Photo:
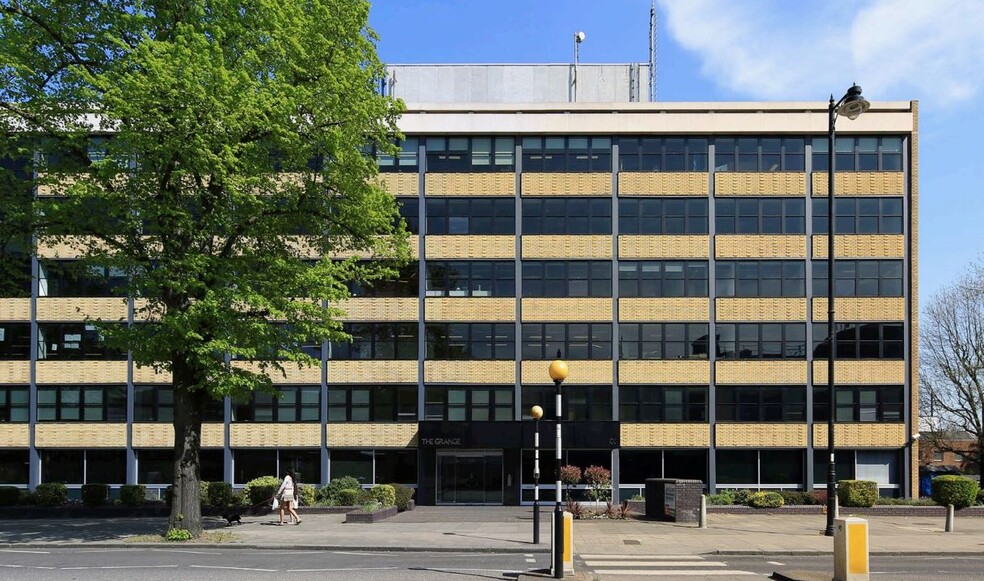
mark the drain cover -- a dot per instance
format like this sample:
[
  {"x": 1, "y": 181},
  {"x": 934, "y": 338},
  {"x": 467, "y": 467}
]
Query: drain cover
[{"x": 631, "y": 542}]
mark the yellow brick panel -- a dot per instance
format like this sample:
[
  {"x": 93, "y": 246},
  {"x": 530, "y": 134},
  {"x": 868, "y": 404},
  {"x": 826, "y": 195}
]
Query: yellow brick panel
[
  {"x": 564, "y": 310},
  {"x": 862, "y": 309},
  {"x": 474, "y": 309},
  {"x": 15, "y": 372},
  {"x": 308, "y": 251},
  {"x": 759, "y": 184},
  {"x": 567, "y": 184},
  {"x": 364, "y": 371},
  {"x": 662, "y": 246},
  {"x": 470, "y": 247},
  {"x": 81, "y": 371},
  {"x": 358, "y": 435},
  {"x": 161, "y": 435},
  {"x": 581, "y": 372},
  {"x": 761, "y": 309},
  {"x": 760, "y": 435},
  {"x": 470, "y": 184},
  {"x": 681, "y": 371},
  {"x": 65, "y": 246},
  {"x": 860, "y": 183},
  {"x": 15, "y": 310},
  {"x": 861, "y": 435},
  {"x": 475, "y": 372},
  {"x": 399, "y": 183},
  {"x": 148, "y": 375},
  {"x": 761, "y": 372},
  {"x": 213, "y": 435},
  {"x": 562, "y": 246},
  {"x": 670, "y": 309},
  {"x": 380, "y": 309},
  {"x": 665, "y": 435},
  {"x": 281, "y": 435},
  {"x": 292, "y": 373},
  {"x": 14, "y": 435},
  {"x": 662, "y": 184},
  {"x": 861, "y": 371},
  {"x": 862, "y": 246},
  {"x": 79, "y": 435},
  {"x": 77, "y": 309},
  {"x": 747, "y": 246}
]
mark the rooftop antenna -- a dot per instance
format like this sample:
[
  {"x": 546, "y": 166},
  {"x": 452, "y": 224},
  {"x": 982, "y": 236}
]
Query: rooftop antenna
[
  {"x": 578, "y": 39},
  {"x": 652, "y": 51}
]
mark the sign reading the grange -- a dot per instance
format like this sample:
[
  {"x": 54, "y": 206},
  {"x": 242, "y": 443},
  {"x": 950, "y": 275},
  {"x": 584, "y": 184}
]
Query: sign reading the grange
[{"x": 446, "y": 442}]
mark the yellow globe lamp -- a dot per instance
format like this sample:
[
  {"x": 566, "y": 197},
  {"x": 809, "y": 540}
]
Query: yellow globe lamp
[
  {"x": 558, "y": 370},
  {"x": 536, "y": 412}
]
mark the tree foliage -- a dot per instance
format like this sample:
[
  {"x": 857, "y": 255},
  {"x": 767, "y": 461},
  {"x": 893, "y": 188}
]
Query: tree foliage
[
  {"x": 952, "y": 365},
  {"x": 231, "y": 171}
]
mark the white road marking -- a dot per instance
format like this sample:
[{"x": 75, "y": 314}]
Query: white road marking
[
  {"x": 531, "y": 560},
  {"x": 12, "y": 566},
  {"x": 593, "y": 564},
  {"x": 776, "y": 563},
  {"x": 119, "y": 567},
  {"x": 232, "y": 568},
  {"x": 667, "y": 572},
  {"x": 343, "y": 569},
  {"x": 187, "y": 551},
  {"x": 653, "y": 557},
  {"x": 25, "y": 551}
]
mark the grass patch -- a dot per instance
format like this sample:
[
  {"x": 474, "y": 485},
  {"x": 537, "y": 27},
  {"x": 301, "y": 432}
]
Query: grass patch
[{"x": 208, "y": 537}]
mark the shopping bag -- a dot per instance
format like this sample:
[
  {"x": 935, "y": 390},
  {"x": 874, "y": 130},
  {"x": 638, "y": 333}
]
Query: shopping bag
[{"x": 276, "y": 503}]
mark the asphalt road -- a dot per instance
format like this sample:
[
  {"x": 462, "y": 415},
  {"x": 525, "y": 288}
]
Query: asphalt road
[{"x": 168, "y": 564}]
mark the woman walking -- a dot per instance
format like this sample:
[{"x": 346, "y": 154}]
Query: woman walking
[{"x": 286, "y": 496}]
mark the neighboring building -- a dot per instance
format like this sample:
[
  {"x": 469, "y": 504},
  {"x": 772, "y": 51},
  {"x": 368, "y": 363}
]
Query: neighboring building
[
  {"x": 673, "y": 253},
  {"x": 940, "y": 452}
]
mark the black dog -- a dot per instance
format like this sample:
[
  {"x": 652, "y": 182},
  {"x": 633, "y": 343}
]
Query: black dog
[{"x": 232, "y": 518}]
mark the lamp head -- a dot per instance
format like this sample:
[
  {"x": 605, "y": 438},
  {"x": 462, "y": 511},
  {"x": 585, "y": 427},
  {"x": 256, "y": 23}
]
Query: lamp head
[
  {"x": 579, "y": 37},
  {"x": 853, "y": 104},
  {"x": 558, "y": 370},
  {"x": 536, "y": 412}
]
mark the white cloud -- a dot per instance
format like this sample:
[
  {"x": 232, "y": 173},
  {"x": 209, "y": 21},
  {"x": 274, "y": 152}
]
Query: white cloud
[{"x": 896, "y": 49}]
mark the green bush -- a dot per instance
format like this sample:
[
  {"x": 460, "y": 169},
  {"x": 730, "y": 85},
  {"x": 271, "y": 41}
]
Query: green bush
[
  {"x": 9, "y": 495},
  {"x": 50, "y": 494},
  {"x": 95, "y": 494},
  {"x": 133, "y": 494},
  {"x": 218, "y": 494},
  {"x": 797, "y": 498},
  {"x": 306, "y": 494},
  {"x": 348, "y": 497},
  {"x": 177, "y": 535},
  {"x": 959, "y": 491},
  {"x": 857, "y": 493},
  {"x": 741, "y": 496},
  {"x": 980, "y": 496},
  {"x": 723, "y": 498},
  {"x": 328, "y": 494},
  {"x": 384, "y": 494},
  {"x": 403, "y": 496},
  {"x": 765, "y": 499},
  {"x": 260, "y": 490}
]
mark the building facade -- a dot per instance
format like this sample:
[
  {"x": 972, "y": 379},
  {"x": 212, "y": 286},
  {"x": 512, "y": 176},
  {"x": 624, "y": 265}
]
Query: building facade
[{"x": 673, "y": 253}]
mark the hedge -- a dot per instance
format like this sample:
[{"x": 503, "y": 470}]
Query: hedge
[
  {"x": 95, "y": 494},
  {"x": 306, "y": 494},
  {"x": 403, "y": 496},
  {"x": 328, "y": 494},
  {"x": 857, "y": 493},
  {"x": 959, "y": 491},
  {"x": 260, "y": 490},
  {"x": 217, "y": 494},
  {"x": 384, "y": 494},
  {"x": 9, "y": 495},
  {"x": 765, "y": 499},
  {"x": 133, "y": 494},
  {"x": 349, "y": 497},
  {"x": 50, "y": 494}
]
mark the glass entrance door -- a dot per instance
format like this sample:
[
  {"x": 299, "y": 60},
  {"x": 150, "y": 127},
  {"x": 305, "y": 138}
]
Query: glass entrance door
[{"x": 469, "y": 478}]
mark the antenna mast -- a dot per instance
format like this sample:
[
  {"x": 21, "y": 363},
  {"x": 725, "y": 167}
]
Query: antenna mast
[{"x": 652, "y": 51}]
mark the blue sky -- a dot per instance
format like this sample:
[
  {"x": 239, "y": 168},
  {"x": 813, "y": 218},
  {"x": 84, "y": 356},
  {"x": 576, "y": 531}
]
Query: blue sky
[{"x": 734, "y": 50}]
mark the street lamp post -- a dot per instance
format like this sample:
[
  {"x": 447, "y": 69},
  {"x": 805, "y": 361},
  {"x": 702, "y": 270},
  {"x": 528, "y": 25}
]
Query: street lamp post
[
  {"x": 536, "y": 412},
  {"x": 558, "y": 373},
  {"x": 851, "y": 105}
]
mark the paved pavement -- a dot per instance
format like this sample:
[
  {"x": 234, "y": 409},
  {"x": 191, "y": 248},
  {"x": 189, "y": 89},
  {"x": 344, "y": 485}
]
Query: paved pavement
[{"x": 509, "y": 529}]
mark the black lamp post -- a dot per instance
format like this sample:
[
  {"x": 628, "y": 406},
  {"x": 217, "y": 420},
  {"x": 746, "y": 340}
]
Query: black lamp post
[
  {"x": 536, "y": 412},
  {"x": 558, "y": 373},
  {"x": 851, "y": 105}
]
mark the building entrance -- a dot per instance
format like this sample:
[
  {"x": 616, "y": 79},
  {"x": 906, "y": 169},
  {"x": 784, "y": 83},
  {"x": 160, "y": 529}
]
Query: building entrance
[{"x": 473, "y": 477}]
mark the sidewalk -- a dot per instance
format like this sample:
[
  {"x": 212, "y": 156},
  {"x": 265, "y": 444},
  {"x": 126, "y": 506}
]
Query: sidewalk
[{"x": 509, "y": 529}]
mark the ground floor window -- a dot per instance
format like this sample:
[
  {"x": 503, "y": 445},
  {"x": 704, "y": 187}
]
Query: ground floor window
[
  {"x": 83, "y": 466},
  {"x": 580, "y": 458},
  {"x": 881, "y": 466},
  {"x": 375, "y": 466},
  {"x": 14, "y": 466},
  {"x": 635, "y": 466},
  {"x": 757, "y": 468},
  {"x": 157, "y": 466}
]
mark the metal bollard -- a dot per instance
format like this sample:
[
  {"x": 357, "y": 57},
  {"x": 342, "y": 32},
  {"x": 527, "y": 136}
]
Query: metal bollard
[
  {"x": 948, "y": 528},
  {"x": 851, "y": 562},
  {"x": 702, "y": 522}
]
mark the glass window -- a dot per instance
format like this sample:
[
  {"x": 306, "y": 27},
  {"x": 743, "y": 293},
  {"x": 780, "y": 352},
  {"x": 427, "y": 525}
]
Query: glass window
[
  {"x": 567, "y": 216},
  {"x": 567, "y": 154},
  {"x": 663, "y": 340},
  {"x": 378, "y": 341},
  {"x": 380, "y": 403},
  {"x": 293, "y": 404},
  {"x": 74, "y": 341},
  {"x": 580, "y": 403},
  {"x": 662, "y": 154},
  {"x": 250, "y": 464},
  {"x": 464, "y": 154},
  {"x": 14, "y": 404},
  {"x": 570, "y": 278},
  {"x": 471, "y": 216},
  {"x": 355, "y": 463},
  {"x": 482, "y": 341},
  {"x": 14, "y": 467},
  {"x": 861, "y": 340},
  {"x": 755, "y": 154},
  {"x": 869, "y": 403},
  {"x": 405, "y": 159},
  {"x": 66, "y": 466},
  {"x": 91, "y": 403},
  {"x": 405, "y": 284},
  {"x": 772, "y": 403},
  {"x": 761, "y": 278},
  {"x": 862, "y": 153},
  {"x": 476, "y": 278},
  {"x": 396, "y": 466},
  {"x": 573, "y": 340},
  {"x": 860, "y": 278},
  {"x": 760, "y": 215},
  {"x": 670, "y": 404},
  {"x": 73, "y": 278},
  {"x": 662, "y": 278},
  {"x": 761, "y": 340},
  {"x": 662, "y": 216}
]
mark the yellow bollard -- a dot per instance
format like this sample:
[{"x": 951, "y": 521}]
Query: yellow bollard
[
  {"x": 851, "y": 549},
  {"x": 568, "y": 548}
]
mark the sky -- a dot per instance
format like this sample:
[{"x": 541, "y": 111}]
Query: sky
[{"x": 775, "y": 50}]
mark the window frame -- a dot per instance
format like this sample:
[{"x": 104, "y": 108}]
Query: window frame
[
  {"x": 693, "y": 404},
  {"x": 659, "y": 286},
  {"x": 789, "y": 286},
  {"x": 8, "y": 407},
  {"x": 789, "y": 157},
  {"x": 402, "y": 350},
  {"x": 108, "y": 412},
  {"x": 539, "y": 151},
  {"x": 649, "y": 216},
  {"x": 889, "y": 403},
  {"x": 843, "y": 277},
  {"x": 279, "y": 410},
  {"x": 658, "y": 154},
  {"x": 439, "y": 217},
  {"x": 504, "y": 351},
  {"x": 501, "y": 156},
  {"x": 595, "y": 347},
  {"x": 572, "y": 222},
  {"x": 859, "y": 344},
  {"x": 596, "y": 284},
  {"x": 502, "y": 272},
  {"x": 372, "y": 405},
  {"x": 850, "y": 214},
  {"x": 645, "y": 329},
  {"x": 439, "y": 407},
  {"x": 728, "y": 216},
  {"x": 751, "y": 404},
  {"x": 740, "y": 330}
]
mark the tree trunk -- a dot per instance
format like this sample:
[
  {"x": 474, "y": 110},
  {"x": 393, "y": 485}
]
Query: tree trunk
[{"x": 186, "y": 508}]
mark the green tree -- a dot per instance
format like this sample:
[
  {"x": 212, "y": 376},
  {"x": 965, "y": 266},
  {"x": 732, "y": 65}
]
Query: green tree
[{"x": 231, "y": 173}]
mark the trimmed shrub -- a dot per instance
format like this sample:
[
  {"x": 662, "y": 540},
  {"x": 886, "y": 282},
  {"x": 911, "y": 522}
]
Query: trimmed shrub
[
  {"x": 328, "y": 494},
  {"x": 384, "y": 494},
  {"x": 857, "y": 493},
  {"x": 599, "y": 479},
  {"x": 306, "y": 494},
  {"x": 741, "y": 496},
  {"x": 95, "y": 494},
  {"x": 723, "y": 498},
  {"x": 218, "y": 494},
  {"x": 959, "y": 491},
  {"x": 980, "y": 496},
  {"x": 260, "y": 490},
  {"x": 50, "y": 494},
  {"x": 403, "y": 496},
  {"x": 133, "y": 494},
  {"x": 177, "y": 535},
  {"x": 819, "y": 497},
  {"x": 348, "y": 497},
  {"x": 796, "y": 498},
  {"x": 765, "y": 499},
  {"x": 9, "y": 495}
]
